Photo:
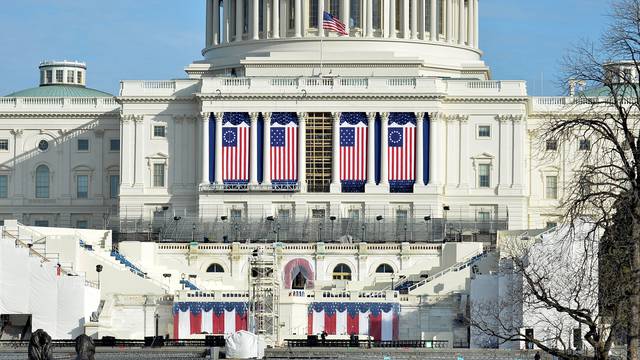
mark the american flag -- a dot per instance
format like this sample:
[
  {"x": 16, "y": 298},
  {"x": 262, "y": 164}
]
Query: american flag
[
  {"x": 284, "y": 153},
  {"x": 353, "y": 153},
  {"x": 235, "y": 153},
  {"x": 331, "y": 23},
  {"x": 401, "y": 152}
]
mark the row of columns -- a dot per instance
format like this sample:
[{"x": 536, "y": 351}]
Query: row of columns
[
  {"x": 412, "y": 23},
  {"x": 335, "y": 174}
]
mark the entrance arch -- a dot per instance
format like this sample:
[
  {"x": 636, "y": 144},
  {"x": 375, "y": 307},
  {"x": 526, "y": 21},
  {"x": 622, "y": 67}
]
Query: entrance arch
[{"x": 298, "y": 274}]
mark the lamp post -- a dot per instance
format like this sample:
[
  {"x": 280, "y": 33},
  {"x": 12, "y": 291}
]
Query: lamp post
[
  {"x": 271, "y": 220},
  {"x": 225, "y": 237},
  {"x": 427, "y": 221},
  {"x": 98, "y": 270},
  {"x": 156, "y": 316},
  {"x": 379, "y": 218},
  {"x": 333, "y": 220},
  {"x": 445, "y": 209},
  {"x": 193, "y": 232},
  {"x": 364, "y": 228},
  {"x": 182, "y": 277}
]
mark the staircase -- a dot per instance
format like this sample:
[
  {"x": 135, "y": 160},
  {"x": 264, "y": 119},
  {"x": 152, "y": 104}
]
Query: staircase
[
  {"x": 38, "y": 248},
  {"x": 464, "y": 263}
]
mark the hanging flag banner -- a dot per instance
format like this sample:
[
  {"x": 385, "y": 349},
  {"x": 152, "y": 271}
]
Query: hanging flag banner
[
  {"x": 284, "y": 148},
  {"x": 378, "y": 320},
  {"x": 190, "y": 318},
  {"x": 235, "y": 148},
  {"x": 353, "y": 148},
  {"x": 401, "y": 152}
]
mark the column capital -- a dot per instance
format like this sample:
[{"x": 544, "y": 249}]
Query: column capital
[
  {"x": 302, "y": 117},
  {"x": 385, "y": 116},
  {"x": 253, "y": 116},
  {"x": 372, "y": 116},
  {"x": 99, "y": 133},
  {"x": 509, "y": 118},
  {"x": 16, "y": 132},
  {"x": 267, "y": 117},
  {"x": 420, "y": 116},
  {"x": 219, "y": 116},
  {"x": 336, "y": 116},
  {"x": 205, "y": 116}
]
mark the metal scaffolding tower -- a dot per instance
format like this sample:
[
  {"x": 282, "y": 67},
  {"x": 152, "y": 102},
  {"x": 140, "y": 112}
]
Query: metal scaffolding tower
[{"x": 263, "y": 294}]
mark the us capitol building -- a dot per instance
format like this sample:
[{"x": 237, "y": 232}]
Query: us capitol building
[{"x": 364, "y": 163}]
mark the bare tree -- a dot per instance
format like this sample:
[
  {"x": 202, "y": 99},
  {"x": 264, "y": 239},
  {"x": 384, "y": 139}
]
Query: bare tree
[{"x": 599, "y": 129}]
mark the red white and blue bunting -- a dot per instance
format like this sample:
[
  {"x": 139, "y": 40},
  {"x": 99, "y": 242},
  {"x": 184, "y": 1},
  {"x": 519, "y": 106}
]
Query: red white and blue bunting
[
  {"x": 218, "y": 318},
  {"x": 378, "y": 320}
]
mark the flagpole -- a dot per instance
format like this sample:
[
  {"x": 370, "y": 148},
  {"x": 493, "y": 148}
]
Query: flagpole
[{"x": 321, "y": 53}]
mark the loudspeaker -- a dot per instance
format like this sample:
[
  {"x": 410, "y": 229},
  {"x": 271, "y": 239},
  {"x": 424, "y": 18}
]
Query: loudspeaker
[
  {"x": 108, "y": 341},
  {"x": 354, "y": 341},
  {"x": 148, "y": 340},
  {"x": 312, "y": 340},
  {"x": 209, "y": 341}
]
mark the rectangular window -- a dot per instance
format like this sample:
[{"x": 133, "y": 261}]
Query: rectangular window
[
  {"x": 356, "y": 13},
  {"x": 4, "y": 186},
  {"x": 158, "y": 175},
  {"x": 42, "y": 77},
  {"x": 313, "y": 14},
  {"x": 82, "y": 224},
  {"x": 551, "y": 224},
  {"x": 79, "y": 73},
  {"x": 41, "y": 223},
  {"x": 551, "y": 187},
  {"x": 292, "y": 14},
  {"x": 83, "y": 144},
  {"x": 114, "y": 145},
  {"x": 82, "y": 186},
  {"x": 354, "y": 214},
  {"x": 49, "y": 76},
  {"x": 59, "y": 76},
  {"x": 71, "y": 76},
  {"x": 484, "y": 216},
  {"x": 318, "y": 214},
  {"x": 284, "y": 215},
  {"x": 552, "y": 145},
  {"x": 585, "y": 145},
  {"x": 4, "y": 145},
  {"x": 484, "y": 131},
  {"x": 114, "y": 186},
  {"x": 484, "y": 175},
  {"x": 235, "y": 215},
  {"x": 159, "y": 131},
  {"x": 402, "y": 216}
]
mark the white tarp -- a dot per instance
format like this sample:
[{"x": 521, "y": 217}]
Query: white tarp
[
  {"x": 14, "y": 280},
  {"x": 70, "y": 307},
  {"x": 244, "y": 345},
  {"x": 43, "y": 298}
]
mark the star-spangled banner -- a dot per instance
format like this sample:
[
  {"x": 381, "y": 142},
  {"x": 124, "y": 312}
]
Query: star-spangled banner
[
  {"x": 235, "y": 147},
  {"x": 402, "y": 147},
  {"x": 284, "y": 147},
  {"x": 353, "y": 148}
]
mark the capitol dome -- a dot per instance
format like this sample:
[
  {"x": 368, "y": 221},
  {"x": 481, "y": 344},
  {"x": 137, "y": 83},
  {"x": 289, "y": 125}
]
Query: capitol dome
[
  {"x": 61, "y": 79},
  {"x": 384, "y": 38}
]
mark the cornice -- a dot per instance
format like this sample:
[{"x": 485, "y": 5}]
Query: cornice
[
  {"x": 55, "y": 115},
  {"x": 318, "y": 97},
  {"x": 156, "y": 99},
  {"x": 487, "y": 99}
]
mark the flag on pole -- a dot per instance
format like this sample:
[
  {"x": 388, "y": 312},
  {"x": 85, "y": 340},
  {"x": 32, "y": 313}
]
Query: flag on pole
[{"x": 331, "y": 23}]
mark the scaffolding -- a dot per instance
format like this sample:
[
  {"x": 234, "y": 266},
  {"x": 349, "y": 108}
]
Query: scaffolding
[{"x": 264, "y": 297}]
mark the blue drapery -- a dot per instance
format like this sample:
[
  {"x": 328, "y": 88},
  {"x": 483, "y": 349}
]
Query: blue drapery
[
  {"x": 217, "y": 307},
  {"x": 354, "y": 308}
]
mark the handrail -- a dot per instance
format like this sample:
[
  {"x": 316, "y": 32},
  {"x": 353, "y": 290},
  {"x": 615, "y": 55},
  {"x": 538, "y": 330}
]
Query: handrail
[
  {"x": 31, "y": 251},
  {"x": 457, "y": 266}
]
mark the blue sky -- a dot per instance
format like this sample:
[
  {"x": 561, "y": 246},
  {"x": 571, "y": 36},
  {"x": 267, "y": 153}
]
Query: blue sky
[{"x": 156, "y": 39}]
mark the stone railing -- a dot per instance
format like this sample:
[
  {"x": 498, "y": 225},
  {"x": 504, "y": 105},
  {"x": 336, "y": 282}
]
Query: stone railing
[
  {"x": 336, "y": 295},
  {"x": 157, "y": 87},
  {"x": 70, "y": 104},
  {"x": 211, "y": 296}
]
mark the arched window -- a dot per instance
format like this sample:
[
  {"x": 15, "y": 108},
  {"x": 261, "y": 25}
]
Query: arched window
[
  {"x": 342, "y": 272},
  {"x": 384, "y": 269},
  {"x": 215, "y": 268},
  {"x": 42, "y": 182},
  {"x": 299, "y": 282}
]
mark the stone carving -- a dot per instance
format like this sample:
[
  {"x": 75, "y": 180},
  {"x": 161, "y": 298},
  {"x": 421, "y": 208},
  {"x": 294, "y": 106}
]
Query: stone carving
[
  {"x": 85, "y": 349},
  {"x": 40, "y": 346}
]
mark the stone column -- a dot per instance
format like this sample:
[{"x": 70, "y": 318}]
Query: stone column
[
  {"x": 209, "y": 24},
  {"x": 369, "y": 20},
  {"x": 392, "y": 18},
  {"x": 436, "y": 152},
  {"x": 266, "y": 19},
  {"x": 405, "y": 19},
  {"x": 449, "y": 21},
  {"x": 461, "y": 22},
  {"x": 519, "y": 132},
  {"x": 472, "y": 23},
  {"x": 302, "y": 151},
  {"x": 139, "y": 142},
  {"x": 345, "y": 14},
  {"x": 219, "y": 117},
  {"x": 464, "y": 161},
  {"x": 434, "y": 20},
  {"x": 476, "y": 27},
  {"x": 255, "y": 19},
  {"x": 414, "y": 19},
  {"x": 204, "y": 150},
  {"x": 422, "y": 21},
  {"x": 18, "y": 172},
  {"x": 384, "y": 152},
  {"x": 266, "y": 149},
  {"x": 371, "y": 153},
  {"x": 335, "y": 159},
  {"x": 305, "y": 17},
  {"x": 298, "y": 19},
  {"x": 275, "y": 26},
  {"x": 239, "y": 20},
  {"x": 386, "y": 26},
  {"x": 99, "y": 179},
  {"x": 226, "y": 22},
  {"x": 320, "y": 17},
  {"x": 419, "y": 150},
  {"x": 253, "y": 172},
  {"x": 215, "y": 23}
]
